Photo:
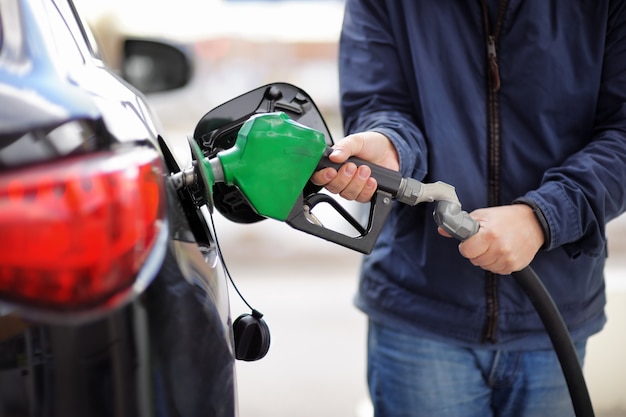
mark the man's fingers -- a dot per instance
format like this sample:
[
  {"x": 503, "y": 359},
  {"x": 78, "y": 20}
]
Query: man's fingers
[
  {"x": 324, "y": 176},
  {"x": 356, "y": 187}
]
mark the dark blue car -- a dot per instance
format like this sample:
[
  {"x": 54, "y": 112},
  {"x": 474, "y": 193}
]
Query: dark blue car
[{"x": 112, "y": 297}]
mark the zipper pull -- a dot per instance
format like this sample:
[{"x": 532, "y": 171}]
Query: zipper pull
[{"x": 493, "y": 63}]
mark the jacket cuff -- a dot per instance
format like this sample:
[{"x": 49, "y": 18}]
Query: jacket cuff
[{"x": 541, "y": 218}]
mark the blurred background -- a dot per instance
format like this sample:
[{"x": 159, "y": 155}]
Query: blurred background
[
  {"x": 236, "y": 46},
  {"x": 303, "y": 285}
]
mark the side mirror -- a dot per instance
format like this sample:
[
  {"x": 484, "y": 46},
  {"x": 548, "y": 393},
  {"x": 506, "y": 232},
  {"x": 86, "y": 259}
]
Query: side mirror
[
  {"x": 154, "y": 66},
  {"x": 218, "y": 129}
]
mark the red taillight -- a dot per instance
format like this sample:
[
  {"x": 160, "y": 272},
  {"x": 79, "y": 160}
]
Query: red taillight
[{"x": 75, "y": 232}]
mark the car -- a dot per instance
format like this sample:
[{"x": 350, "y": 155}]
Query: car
[
  {"x": 113, "y": 301},
  {"x": 114, "y": 296}
]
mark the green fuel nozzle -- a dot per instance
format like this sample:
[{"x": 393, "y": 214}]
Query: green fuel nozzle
[{"x": 271, "y": 162}]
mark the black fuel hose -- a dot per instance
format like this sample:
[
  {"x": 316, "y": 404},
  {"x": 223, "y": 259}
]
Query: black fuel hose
[{"x": 560, "y": 337}]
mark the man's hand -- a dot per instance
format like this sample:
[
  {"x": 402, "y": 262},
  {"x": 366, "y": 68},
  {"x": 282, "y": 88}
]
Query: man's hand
[
  {"x": 507, "y": 241},
  {"x": 352, "y": 182}
]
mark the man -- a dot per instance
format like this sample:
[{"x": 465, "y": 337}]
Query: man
[{"x": 521, "y": 105}]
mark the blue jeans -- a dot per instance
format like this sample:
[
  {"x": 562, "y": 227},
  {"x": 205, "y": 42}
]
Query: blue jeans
[{"x": 411, "y": 376}]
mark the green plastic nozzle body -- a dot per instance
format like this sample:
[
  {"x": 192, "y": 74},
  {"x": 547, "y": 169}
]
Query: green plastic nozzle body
[{"x": 271, "y": 162}]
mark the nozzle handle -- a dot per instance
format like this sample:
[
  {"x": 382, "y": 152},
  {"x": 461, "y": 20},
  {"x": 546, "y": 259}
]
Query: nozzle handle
[
  {"x": 448, "y": 214},
  {"x": 388, "y": 180}
]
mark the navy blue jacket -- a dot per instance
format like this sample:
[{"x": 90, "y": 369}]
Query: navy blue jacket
[{"x": 416, "y": 71}]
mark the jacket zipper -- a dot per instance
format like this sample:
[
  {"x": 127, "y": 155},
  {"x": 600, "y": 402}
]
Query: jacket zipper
[{"x": 493, "y": 122}]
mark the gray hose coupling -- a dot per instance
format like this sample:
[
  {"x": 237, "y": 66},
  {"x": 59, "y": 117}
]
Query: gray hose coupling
[
  {"x": 458, "y": 223},
  {"x": 413, "y": 192}
]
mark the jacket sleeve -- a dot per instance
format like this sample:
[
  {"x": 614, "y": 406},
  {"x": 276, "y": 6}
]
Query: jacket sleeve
[
  {"x": 374, "y": 93},
  {"x": 589, "y": 187}
]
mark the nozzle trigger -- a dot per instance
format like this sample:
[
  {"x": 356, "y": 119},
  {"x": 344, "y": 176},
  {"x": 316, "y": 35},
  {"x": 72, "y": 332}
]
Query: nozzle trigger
[{"x": 380, "y": 207}]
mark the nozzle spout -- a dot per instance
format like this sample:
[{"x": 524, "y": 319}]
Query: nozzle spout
[{"x": 218, "y": 169}]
